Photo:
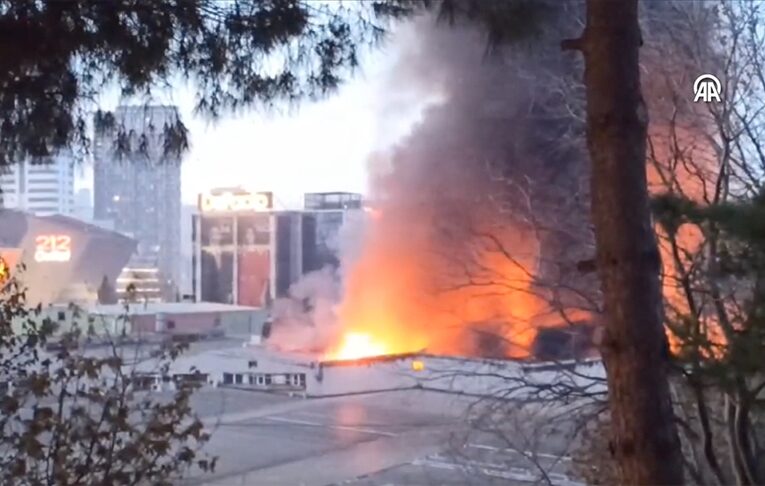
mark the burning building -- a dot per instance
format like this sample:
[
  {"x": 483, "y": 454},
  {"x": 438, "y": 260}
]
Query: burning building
[{"x": 480, "y": 212}]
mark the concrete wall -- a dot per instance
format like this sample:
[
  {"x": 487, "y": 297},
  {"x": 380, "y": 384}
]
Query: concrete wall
[
  {"x": 241, "y": 322},
  {"x": 244, "y": 323},
  {"x": 66, "y": 319}
]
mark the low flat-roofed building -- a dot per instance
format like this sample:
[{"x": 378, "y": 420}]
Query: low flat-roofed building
[
  {"x": 199, "y": 318},
  {"x": 259, "y": 368}
]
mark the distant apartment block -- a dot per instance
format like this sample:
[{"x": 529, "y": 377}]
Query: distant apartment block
[
  {"x": 139, "y": 190},
  {"x": 42, "y": 188}
]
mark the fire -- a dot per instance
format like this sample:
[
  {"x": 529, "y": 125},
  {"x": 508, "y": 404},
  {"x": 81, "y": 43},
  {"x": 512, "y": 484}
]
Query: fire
[
  {"x": 5, "y": 271},
  {"x": 403, "y": 293},
  {"x": 356, "y": 345},
  {"x": 688, "y": 170}
]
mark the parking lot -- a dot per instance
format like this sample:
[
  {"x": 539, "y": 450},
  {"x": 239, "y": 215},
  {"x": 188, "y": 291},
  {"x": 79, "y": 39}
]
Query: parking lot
[{"x": 391, "y": 438}]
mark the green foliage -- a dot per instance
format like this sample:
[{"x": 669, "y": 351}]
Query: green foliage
[
  {"x": 503, "y": 22},
  {"x": 742, "y": 221},
  {"x": 76, "y": 416},
  {"x": 237, "y": 54},
  {"x": 734, "y": 276}
]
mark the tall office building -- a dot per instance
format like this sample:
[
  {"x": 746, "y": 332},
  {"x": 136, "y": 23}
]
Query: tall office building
[
  {"x": 139, "y": 188},
  {"x": 233, "y": 239},
  {"x": 43, "y": 188},
  {"x": 247, "y": 253},
  {"x": 325, "y": 213}
]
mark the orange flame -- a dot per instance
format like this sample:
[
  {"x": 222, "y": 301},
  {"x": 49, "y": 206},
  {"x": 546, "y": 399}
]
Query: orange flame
[
  {"x": 5, "y": 271},
  {"x": 356, "y": 345},
  {"x": 683, "y": 163},
  {"x": 399, "y": 296}
]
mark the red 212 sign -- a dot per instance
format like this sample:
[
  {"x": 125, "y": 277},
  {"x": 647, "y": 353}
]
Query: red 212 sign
[{"x": 53, "y": 248}]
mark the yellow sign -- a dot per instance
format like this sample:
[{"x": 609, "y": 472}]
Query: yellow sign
[{"x": 230, "y": 201}]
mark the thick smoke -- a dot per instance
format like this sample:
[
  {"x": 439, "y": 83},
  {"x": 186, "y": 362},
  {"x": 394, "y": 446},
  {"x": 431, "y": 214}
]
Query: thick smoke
[
  {"x": 469, "y": 241},
  {"x": 307, "y": 319}
]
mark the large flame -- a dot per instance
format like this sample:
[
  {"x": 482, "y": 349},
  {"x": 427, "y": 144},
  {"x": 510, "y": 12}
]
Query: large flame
[
  {"x": 402, "y": 295},
  {"x": 394, "y": 301},
  {"x": 683, "y": 162},
  {"x": 355, "y": 345}
]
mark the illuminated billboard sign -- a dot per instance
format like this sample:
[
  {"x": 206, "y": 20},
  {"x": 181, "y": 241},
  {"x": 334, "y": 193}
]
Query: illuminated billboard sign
[
  {"x": 53, "y": 248},
  {"x": 235, "y": 201}
]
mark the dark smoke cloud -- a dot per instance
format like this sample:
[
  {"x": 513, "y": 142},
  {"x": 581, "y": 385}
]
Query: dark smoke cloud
[
  {"x": 481, "y": 210},
  {"x": 502, "y": 149}
]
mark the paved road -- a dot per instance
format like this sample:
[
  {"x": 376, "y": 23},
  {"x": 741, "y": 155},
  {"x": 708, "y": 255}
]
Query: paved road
[{"x": 392, "y": 438}]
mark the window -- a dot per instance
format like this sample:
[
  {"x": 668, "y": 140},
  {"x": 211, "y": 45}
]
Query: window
[
  {"x": 260, "y": 380},
  {"x": 239, "y": 378},
  {"x": 61, "y": 315},
  {"x": 267, "y": 379},
  {"x": 143, "y": 382},
  {"x": 228, "y": 378},
  {"x": 52, "y": 199},
  {"x": 297, "y": 379},
  {"x": 253, "y": 363},
  {"x": 43, "y": 181}
]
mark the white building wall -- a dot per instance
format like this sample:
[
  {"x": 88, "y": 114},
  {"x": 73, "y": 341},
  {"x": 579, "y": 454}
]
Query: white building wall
[
  {"x": 508, "y": 379},
  {"x": 460, "y": 376},
  {"x": 42, "y": 188}
]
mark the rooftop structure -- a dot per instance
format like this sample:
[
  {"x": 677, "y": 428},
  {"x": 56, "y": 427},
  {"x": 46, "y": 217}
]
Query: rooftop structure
[
  {"x": 66, "y": 259},
  {"x": 332, "y": 200}
]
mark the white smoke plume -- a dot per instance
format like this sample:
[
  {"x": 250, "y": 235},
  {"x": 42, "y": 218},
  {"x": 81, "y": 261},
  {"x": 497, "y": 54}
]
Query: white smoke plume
[{"x": 307, "y": 319}]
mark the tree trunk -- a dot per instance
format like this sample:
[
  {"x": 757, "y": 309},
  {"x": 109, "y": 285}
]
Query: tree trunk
[{"x": 634, "y": 348}]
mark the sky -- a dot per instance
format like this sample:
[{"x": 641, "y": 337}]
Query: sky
[{"x": 320, "y": 146}]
